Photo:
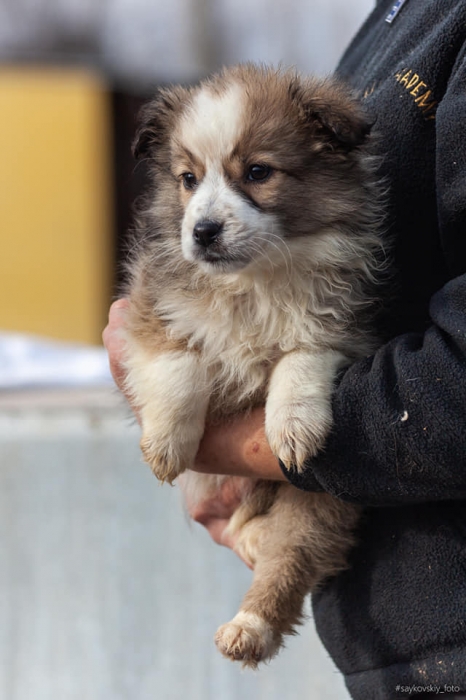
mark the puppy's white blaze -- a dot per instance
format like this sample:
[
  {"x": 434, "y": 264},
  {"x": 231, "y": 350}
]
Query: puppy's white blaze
[
  {"x": 211, "y": 128},
  {"x": 210, "y": 202},
  {"x": 212, "y": 125}
]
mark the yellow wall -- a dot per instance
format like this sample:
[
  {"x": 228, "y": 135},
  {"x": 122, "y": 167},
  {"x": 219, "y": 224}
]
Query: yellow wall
[{"x": 55, "y": 203}]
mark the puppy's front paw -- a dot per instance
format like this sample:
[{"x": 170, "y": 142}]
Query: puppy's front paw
[
  {"x": 248, "y": 638},
  {"x": 297, "y": 431},
  {"x": 166, "y": 462}
]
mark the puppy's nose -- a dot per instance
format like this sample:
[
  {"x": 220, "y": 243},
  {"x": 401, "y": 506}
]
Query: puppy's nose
[{"x": 205, "y": 232}]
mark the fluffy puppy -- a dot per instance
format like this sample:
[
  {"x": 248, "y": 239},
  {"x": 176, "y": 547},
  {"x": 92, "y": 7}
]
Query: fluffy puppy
[{"x": 250, "y": 281}]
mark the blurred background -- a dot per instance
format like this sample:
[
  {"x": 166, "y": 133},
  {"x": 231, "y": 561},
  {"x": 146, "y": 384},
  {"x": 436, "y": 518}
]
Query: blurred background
[{"x": 105, "y": 592}]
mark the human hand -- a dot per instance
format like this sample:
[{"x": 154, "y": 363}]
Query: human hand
[
  {"x": 237, "y": 449},
  {"x": 114, "y": 343},
  {"x": 216, "y": 507}
]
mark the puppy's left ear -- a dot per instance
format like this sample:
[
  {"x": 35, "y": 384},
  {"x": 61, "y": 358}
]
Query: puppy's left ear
[
  {"x": 349, "y": 129},
  {"x": 156, "y": 120},
  {"x": 337, "y": 113}
]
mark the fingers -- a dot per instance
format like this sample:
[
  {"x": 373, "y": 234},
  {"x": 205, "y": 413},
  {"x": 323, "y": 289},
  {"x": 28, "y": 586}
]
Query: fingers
[
  {"x": 216, "y": 508},
  {"x": 113, "y": 341},
  {"x": 218, "y": 530},
  {"x": 220, "y": 503},
  {"x": 216, "y": 527}
]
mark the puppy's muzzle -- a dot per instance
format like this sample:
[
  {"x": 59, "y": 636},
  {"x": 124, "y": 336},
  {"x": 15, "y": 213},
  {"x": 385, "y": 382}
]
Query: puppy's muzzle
[{"x": 206, "y": 232}]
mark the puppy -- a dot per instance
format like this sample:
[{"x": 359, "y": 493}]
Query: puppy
[{"x": 251, "y": 277}]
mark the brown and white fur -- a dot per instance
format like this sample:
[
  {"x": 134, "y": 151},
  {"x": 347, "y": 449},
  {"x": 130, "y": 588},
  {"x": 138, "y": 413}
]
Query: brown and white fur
[{"x": 250, "y": 276}]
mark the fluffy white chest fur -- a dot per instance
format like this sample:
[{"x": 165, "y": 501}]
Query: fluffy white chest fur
[
  {"x": 246, "y": 325},
  {"x": 249, "y": 284}
]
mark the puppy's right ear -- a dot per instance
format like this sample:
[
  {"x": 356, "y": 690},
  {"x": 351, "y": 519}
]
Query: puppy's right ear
[{"x": 156, "y": 120}]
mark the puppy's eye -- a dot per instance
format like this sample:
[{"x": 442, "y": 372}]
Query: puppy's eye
[
  {"x": 189, "y": 180},
  {"x": 259, "y": 172}
]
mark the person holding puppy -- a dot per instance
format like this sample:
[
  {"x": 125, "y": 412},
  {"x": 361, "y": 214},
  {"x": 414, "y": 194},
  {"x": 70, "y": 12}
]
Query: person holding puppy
[{"x": 396, "y": 618}]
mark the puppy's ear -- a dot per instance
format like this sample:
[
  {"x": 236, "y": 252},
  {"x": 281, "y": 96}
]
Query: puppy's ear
[
  {"x": 156, "y": 120},
  {"x": 332, "y": 108},
  {"x": 350, "y": 127}
]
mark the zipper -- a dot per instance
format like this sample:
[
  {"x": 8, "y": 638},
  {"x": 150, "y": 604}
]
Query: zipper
[{"x": 394, "y": 11}]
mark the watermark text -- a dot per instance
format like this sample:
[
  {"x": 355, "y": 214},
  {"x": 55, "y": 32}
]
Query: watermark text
[{"x": 432, "y": 689}]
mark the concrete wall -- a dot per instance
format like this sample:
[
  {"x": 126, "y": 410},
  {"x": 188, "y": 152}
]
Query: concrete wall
[{"x": 106, "y": 592}]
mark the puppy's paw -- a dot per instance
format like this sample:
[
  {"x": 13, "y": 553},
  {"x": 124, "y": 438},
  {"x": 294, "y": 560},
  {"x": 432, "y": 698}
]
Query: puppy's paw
[
  {"x": 248, "y": 638},
  {"x": 166, "y": 462},
  {"x": 297, "y": 431},
  {"x": 170, "y": 451}
]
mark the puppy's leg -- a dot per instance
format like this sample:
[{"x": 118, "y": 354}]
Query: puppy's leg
[
  {"x": 298, "y": 408},
  {"x": 171, "y": 392},
  {"x": 255, "y": 503},
  {"x": 304, "y": 539}
]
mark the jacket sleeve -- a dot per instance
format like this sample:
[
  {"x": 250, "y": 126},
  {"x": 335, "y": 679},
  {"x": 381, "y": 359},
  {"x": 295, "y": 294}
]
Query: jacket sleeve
[{"x": 399, "y": 432}]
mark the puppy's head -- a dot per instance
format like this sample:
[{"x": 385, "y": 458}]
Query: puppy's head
[{"x": 251, "y": 160}]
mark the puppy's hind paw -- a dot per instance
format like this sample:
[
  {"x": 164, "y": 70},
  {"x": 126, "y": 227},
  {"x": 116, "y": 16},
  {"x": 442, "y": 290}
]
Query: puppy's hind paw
[{"x": 248, "y": 638}]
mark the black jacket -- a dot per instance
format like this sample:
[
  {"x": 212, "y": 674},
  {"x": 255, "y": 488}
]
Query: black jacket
[{"x": 397, "y": 617}]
